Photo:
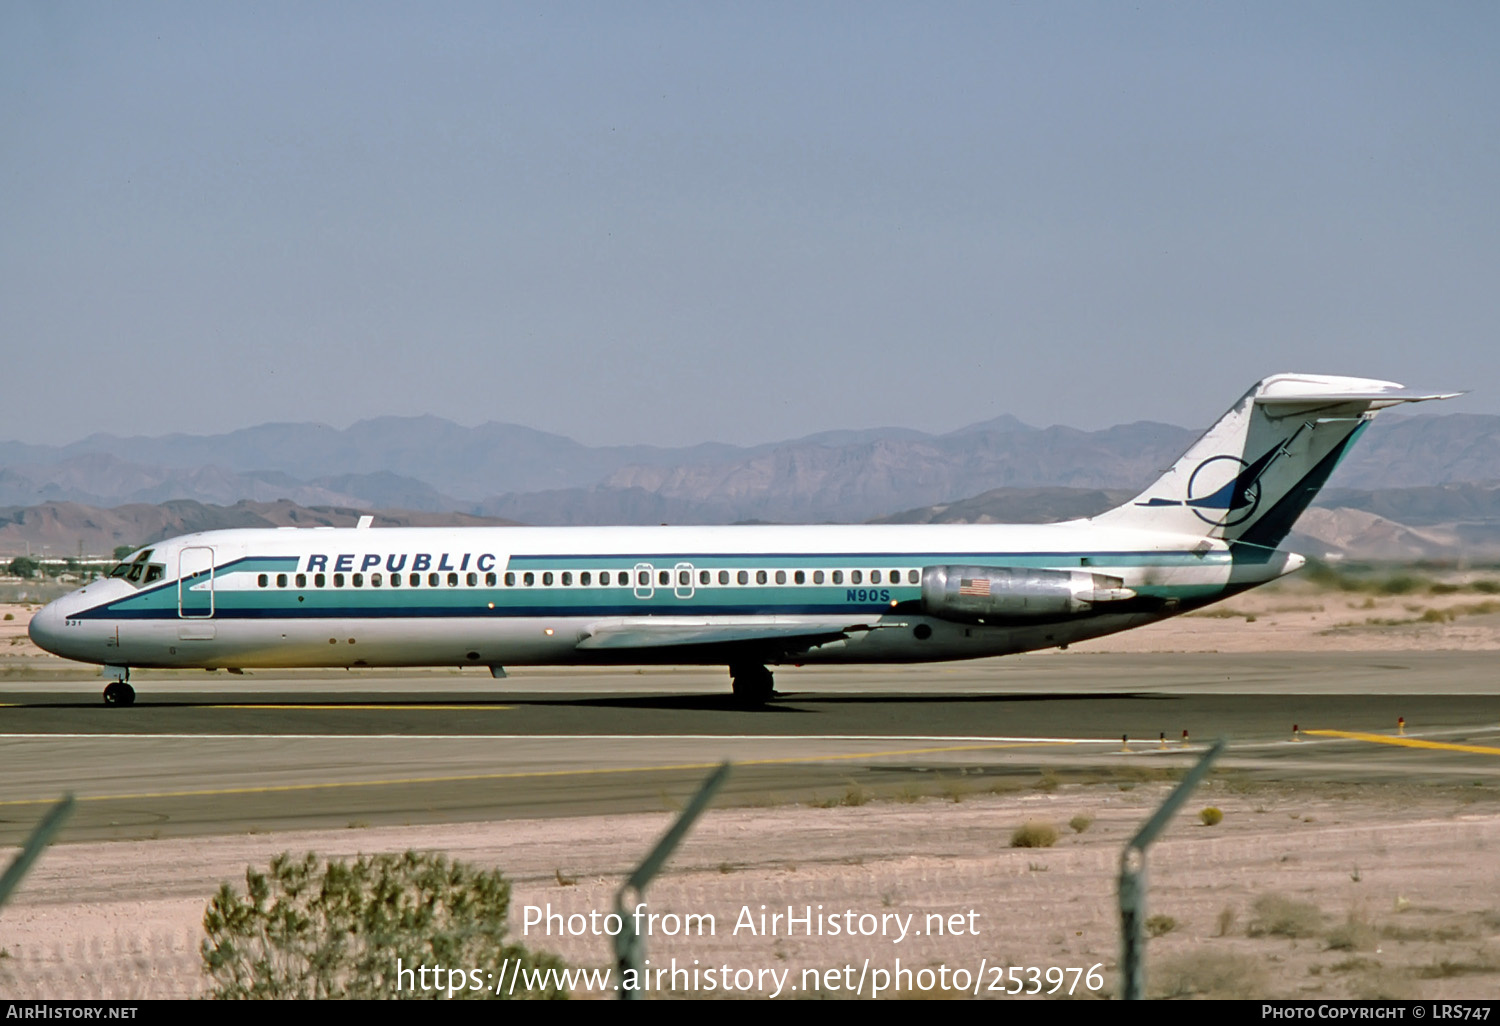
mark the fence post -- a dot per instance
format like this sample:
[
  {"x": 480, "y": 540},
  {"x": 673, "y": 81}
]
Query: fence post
[
  {"x": 1133, "y": 878},
  {"x": 630, "y": 947},
  {"x": 39, "y": 839}
]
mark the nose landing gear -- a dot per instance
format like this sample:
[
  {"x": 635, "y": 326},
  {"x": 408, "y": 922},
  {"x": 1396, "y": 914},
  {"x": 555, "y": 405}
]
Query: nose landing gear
[{"x": 119, "y": 693}]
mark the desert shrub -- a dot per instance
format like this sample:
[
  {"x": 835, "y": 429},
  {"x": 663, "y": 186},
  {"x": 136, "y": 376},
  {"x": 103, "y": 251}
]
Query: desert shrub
[
  {"x": 1034, "y": 835},
  {"x": 1280, "y": 916},
  {"x": 1210, "y": 974},
  {"x": 1400, "y": 584},
  {"x": 1354, "y": 934},
  {"x": 306, "y": 929},
  {"x": 1159, "y": 925},
  {"x": 1211, "y": 816},
  {"x": 1080, "y": 823}
]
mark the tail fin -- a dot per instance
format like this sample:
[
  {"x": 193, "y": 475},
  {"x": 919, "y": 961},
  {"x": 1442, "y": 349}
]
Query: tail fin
[{"x": 1252, "y": 474}]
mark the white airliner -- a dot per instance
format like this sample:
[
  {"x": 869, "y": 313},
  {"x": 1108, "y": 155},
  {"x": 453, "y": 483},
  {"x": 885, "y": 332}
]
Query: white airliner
[{"x": 745, "y": 597}]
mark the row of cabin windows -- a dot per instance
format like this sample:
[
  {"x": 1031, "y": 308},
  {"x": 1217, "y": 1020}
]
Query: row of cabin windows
[{"x": 585, "y": 578}]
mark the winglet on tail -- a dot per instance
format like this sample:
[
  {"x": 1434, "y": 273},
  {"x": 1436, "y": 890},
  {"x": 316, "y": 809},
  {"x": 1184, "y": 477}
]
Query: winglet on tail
[{"x": 1250, "y": 476}]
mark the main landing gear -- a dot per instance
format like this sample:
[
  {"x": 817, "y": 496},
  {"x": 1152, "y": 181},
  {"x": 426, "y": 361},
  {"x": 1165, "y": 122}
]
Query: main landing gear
[
  {"x": 119, "y": 691},
  {"x": 753, "y": 685}
]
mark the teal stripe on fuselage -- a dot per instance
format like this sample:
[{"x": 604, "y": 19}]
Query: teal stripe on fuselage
[{"x": 237, "y": 594}]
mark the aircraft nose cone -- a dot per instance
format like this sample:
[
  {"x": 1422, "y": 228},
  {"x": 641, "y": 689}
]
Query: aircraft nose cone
[{"x": 46, "y": 628}]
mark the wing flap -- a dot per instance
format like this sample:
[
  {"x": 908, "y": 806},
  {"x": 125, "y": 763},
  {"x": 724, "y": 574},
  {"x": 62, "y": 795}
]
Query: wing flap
[{"x": 652, "y": 633}]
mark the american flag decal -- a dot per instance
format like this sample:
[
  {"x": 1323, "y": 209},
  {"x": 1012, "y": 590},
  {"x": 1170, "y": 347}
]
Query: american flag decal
[{"x": 974, "y": 586}]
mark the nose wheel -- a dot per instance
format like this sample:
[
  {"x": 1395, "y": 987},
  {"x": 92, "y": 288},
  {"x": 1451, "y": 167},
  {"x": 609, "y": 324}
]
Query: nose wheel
[{"x": 119, "y": 693}]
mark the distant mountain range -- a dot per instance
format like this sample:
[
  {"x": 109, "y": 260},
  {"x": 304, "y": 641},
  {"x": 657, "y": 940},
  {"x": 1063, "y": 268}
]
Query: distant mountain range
[
  {"x": 1427, "y": 481},
  {"x": 502, "y": 470}
]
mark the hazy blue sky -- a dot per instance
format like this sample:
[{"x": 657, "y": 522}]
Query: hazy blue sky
[{"x": 676, "y": 222}]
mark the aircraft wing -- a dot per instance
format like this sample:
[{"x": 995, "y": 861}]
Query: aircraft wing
[{"x": 655, "y": 632}]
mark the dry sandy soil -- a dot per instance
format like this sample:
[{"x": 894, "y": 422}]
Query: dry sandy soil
[
  {"x": 1299, "y": 892},
  {"x": 1302, "y": 891}
]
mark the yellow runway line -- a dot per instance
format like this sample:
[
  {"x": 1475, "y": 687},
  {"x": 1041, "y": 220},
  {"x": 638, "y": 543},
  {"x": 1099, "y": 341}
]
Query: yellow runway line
[
  {"x": 534, "y": 774},
  {"x": 1406, "y": 742},
  {"x": 365, "y": 708}
]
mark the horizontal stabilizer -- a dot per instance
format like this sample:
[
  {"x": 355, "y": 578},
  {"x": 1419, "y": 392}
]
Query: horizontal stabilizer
[{"x": 1250, "y": 476}]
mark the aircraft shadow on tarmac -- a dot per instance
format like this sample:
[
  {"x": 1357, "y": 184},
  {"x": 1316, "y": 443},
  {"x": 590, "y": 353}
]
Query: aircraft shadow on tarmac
[
  {"x": 783, "y": 703},
  {"x": 808, "y": 702}
]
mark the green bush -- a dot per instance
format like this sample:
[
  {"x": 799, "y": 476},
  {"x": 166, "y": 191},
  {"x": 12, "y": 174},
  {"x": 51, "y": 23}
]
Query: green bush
[
  {"x": 23, "y": 566},
  {"x": 306, "y": 929},
  {"x": 1211, "y": 816}
]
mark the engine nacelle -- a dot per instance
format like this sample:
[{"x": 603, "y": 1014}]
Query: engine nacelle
[{"x": 981, "y": 594}]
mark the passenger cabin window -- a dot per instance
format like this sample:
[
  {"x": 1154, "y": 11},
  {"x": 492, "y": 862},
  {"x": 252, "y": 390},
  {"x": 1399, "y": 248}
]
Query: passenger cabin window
[
  {"x": 489, "y": 580},
  {"x": 528, "y": 578},
  {"x": 874, "y": 577},
  {"x": 319, "y": 580},
  {"x": 374, "y": 580},
  {"x": 301, "y": 580},
  {"x": 395, "y": 580},
  {"x": 663, "y": 578},
  {"x": 338, "y": 580},
  {"x": 453, "y": 580},
  {"x": 359, "y": 580},
  {"x": 743, "y": 577},
  {"x": 510, "y": 580},
  {"x": 838, "y": 577},
  {"x": 604, "y": 577},
  {"x": 281, "y": 580},
  {"x": 704, "y": 577},
  {"x": 913, "y": 577},
  {"x": 415, "y": 580},
  {"x": 781, "y": 577},
  {"x": 723, "y": 576},
  {"x": 800, "y": 577},
  {"x": 567, "y": 579},
  {"x": 263, "y": 580},
  {"x": 547, "y": 579},
  {"x": 856, "y": 576},
  {"x": 684, "y": 578},
  {"x": 433, "y": 580},
  {"x": 585, "y": 578},
  {"x": 817, "y": 577},
  {"x": 760, "y": 577},
  {"x": 473, "y": 580}
]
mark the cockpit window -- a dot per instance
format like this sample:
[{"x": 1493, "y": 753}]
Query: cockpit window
[
  {"x": 131, "y": 568},
  {"x": 137, "y": 571}
]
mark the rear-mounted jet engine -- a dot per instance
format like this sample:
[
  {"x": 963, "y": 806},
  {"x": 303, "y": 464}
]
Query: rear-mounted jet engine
[{"x": 986, "y": 594}]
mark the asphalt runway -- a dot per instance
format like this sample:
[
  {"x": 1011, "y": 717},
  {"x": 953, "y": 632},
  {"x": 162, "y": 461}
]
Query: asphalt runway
[{"x": 214, "y": 753}]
